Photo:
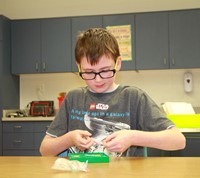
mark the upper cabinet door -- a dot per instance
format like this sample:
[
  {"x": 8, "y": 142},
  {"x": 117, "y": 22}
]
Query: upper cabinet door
[
  {"x": 25, "y": 46},
  {"x": 56, "y": 45},
  {"x": 1, "y": 28},
  {"x": 128, "y": 47},
  {"x": 1, "y": 58},
  {"x": 41, "y": 46},
  {"x": 80, "y": 24},
  {"x": 184, "y": 33},
  {"x": 152, "y": 41}
]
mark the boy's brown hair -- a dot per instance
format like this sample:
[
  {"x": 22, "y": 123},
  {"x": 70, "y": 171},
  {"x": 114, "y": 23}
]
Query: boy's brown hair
[{"x": 94, "y": 43}]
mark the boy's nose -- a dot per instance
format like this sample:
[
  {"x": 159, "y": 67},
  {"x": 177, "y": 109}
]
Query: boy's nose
[{"x": 98, "y": 78}]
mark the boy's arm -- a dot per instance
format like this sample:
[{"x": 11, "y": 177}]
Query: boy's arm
[
  {"x": 169, "y": 139},
  {"x": 52, "y": 146}
]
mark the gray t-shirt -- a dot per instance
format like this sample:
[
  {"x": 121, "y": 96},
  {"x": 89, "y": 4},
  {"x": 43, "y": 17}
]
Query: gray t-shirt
[{"x": 101, "y": 114}]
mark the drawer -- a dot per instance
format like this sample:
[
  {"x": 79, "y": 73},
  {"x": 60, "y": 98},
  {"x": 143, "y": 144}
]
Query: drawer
[
  {"x": 19, "y": 153},
  {"x": 41, "y": 126},
  {"x": 38, "y": 137},
  {"x": 37, "y": 153},
  {"x": 18, "y": 141},
  {"x": 16, "y": 127}
]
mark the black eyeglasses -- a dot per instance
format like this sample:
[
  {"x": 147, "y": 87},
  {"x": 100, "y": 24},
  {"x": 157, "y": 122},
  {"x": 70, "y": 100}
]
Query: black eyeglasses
[{"x": 105, "y": 74}]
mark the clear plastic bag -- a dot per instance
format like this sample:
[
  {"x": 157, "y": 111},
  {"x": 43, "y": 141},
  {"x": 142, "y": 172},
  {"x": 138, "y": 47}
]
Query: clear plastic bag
[{"x": 64, "y": 164}]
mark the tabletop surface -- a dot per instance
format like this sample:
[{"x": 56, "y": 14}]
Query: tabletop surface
[{"x": 150, "y": 167}]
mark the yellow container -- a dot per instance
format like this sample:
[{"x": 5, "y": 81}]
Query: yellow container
[{"x": 185, "y": 120}]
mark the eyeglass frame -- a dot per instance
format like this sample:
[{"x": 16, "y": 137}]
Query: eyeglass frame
[{"x": 98, "y": 73}]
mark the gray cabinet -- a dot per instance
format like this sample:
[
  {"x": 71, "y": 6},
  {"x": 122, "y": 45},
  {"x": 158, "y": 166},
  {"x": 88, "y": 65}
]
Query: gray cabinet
[
  {"x": 152, "y": 50},
  {"x": 41, "y": 46},
  {"x": 191, "y": 149},
  {"x": 121, "y": 20},
  {"x": 184, "y": 39},
  {"x": 152, "y": 152},
  {"x": 168, "y": 40},
  {"x": 159, "y": 40},
  {"x": 1, "y": 28},
  {"x": 39, "y": 133},
  {"x": 23, "y": 138},
  {"x": 192, "y": 146},
  {"x": 25, "y": 46},
  {"x": 9, "y": 90},
  {"x": 81, "y": 24},
  {"x": 1, "y": 94}
]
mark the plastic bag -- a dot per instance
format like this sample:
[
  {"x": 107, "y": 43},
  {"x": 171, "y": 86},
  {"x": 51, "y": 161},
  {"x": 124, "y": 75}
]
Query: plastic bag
[{"x": 64, "y": 164}]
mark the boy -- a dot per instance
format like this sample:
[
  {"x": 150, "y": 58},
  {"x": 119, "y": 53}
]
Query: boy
[{"x": 104, "y": 116}]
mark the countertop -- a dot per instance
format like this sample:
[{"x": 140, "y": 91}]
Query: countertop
[
  {"x": 25, "y": 118},
  {"x": 28, "y": 118},
  {"x": 132, "y": 167},
  {"x": 190, "y": 130}
]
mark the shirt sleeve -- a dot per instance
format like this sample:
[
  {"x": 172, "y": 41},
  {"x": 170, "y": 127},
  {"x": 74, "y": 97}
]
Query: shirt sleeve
[
  {"x": 59, "y": 125},
  {"x": 150, "y": 117}
]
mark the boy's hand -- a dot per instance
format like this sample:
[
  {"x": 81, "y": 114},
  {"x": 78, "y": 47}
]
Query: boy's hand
[
  {"x": 118, "y": 141},
  {"x": 81, "y": 139}
]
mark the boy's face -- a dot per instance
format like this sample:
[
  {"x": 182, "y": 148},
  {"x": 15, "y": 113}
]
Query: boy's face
[{"x": 99, "y": 85}]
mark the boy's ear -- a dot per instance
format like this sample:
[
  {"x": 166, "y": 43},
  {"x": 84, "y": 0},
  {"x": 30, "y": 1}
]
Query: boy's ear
[{"x": 119, "y": 63}]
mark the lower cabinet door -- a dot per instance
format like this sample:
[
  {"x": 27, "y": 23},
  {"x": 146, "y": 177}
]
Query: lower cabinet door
[
  {"x": 38, "y": 137},
  {"x": 192, "y": 148},
  {"x": 23, "y": 138},
  {"x": 18, "y": 141},
  {"x": 18, "y": 153}
]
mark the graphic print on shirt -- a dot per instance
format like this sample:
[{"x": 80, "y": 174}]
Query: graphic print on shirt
[{"x": 100, "y": 129}]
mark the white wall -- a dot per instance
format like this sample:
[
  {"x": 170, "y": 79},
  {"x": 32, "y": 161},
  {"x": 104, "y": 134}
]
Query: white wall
[
  {"x": 161, "y": 85},
  {"x": 19, "y": 9}
]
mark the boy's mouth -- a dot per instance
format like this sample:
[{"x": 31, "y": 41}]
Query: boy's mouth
[{"x": 99, "y": 86}]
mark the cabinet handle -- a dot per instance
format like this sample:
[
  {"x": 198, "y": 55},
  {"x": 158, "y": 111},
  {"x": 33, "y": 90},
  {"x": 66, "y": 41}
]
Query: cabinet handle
[
  {"x": 165, "y": 61},
  {"x": 17, "y": 141},
  {"x": 17, "y": 127},
  {"x": 43, "y": 66},
  {"x": 173, "y": 61},
  {"x": 36, "y": 66}
]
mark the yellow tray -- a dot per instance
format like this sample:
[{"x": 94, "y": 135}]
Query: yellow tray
[{"x": 185, "y": 120}]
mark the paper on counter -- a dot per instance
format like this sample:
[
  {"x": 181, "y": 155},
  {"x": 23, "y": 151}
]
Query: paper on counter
[
  {"x": 64, "y": 164},
  {"x": 178, "y": 108}
]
